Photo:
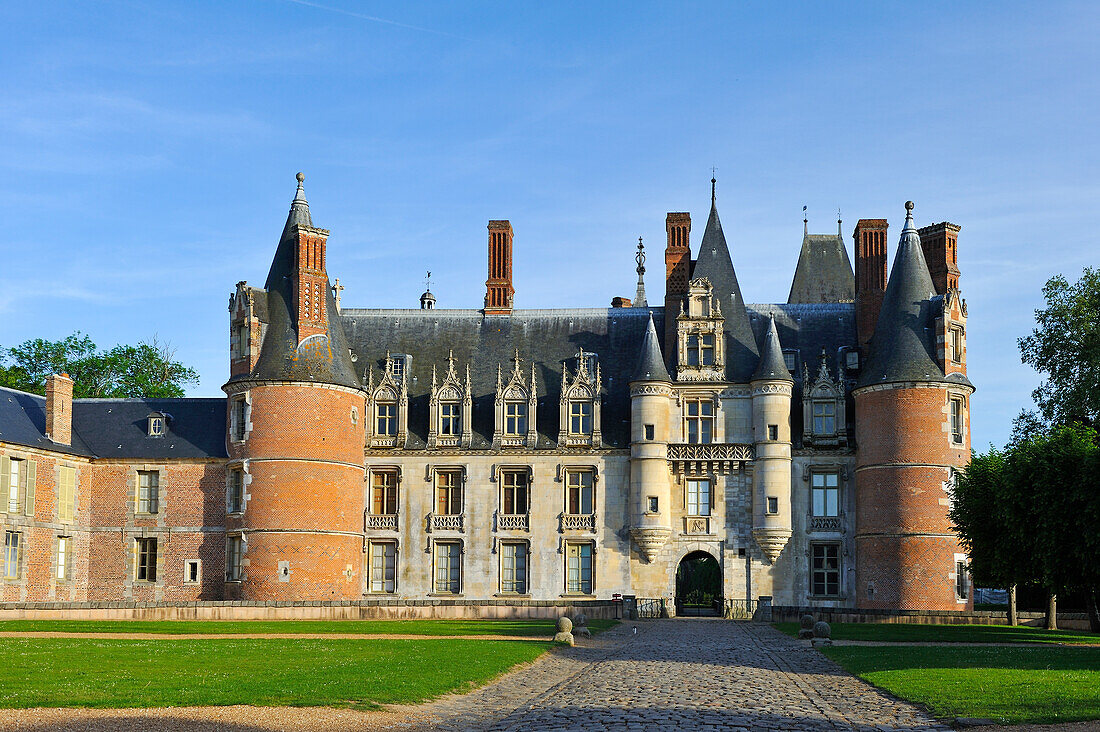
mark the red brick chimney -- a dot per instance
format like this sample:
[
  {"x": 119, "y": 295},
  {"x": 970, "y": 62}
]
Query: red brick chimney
[
  {"x": 311, "y": 282},
  {"x": 870, "y": 236},
  {"x": 677, "y": 271},
  {"x": 498, "y": 288},
  {"x": 59, "y": 408},
  {"x": 940, "y": 244}
]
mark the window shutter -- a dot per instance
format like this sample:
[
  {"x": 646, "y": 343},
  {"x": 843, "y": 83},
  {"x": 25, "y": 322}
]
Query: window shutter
[
  {"x": 5, "y": 476},
  {"x": 28, "y": 492}
]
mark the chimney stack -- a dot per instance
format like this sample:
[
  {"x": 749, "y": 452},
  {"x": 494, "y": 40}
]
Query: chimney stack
[
  {"x": 940, "y": 244},
  {"x": 870, "y": 236},
  {"x": 677, "y": 272},
  {"x": 59, "y": 408},
  {"x": 498, "y": 288}
]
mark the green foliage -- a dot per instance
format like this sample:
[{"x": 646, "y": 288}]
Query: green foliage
[
  {"x": 1065, "y": 345},
  {"x": 524, "y": 628},
  {"x": 145, "y": 370},
  {"x": 913, "y": 633}
]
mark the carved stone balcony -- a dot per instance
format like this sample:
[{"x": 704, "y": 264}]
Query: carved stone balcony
[
  {"x": 720, "y": 458},
  {"x": 445, "y": 522},
  {"x": 578, "y": 522},
  {"x": 382, "y": 522},
  {"x": 512, "y": 521},
  {"x": 697, "y": 524},
  {"x": 825, "y": 523}
]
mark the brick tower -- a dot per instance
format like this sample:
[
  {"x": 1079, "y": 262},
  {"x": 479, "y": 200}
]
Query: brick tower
[
  {"x": 295, "y": 487},
  {"x": 912, "y": 430}
]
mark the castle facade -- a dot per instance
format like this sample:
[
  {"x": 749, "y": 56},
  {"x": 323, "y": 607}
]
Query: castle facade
[{"x": 807, "y": 449}]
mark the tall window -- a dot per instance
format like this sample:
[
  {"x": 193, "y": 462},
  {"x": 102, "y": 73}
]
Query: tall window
[
  {"x": 64, "y": 550},
  {"x": 514, "y": 492},
  {"x": 148, "y": 491},
  {"x": 825, "y": 417},
  {"x": 235, "y": 491},
  {"x": 15, "y": 472},
  {"x": 957, "y": 421},
  {"x": 386, "y": 422},
  {"x": 824, "y": 494},
  {"x": 955, "y": 341},
  {"x": 383, "y": 566},
  {"x": 513, "y": 568},
  {"x": 13, "y": 552},
  {"x": 698, "y": 497},
  {"x": 578, "y": 569},
  {"x": 580, "y": 418},
  {"x": 448, "y": 493},
  {"x": 515, "y": 418},
  {"x": 233, "y": 559},
  {"x": 700, "y": 350},
  {"x": 448, "y": 566},
  {"x": 699, "y": 421},
  {"x": 238, "y": 418},
  {"x": 384, "y": 494},
  {"x": 825, "y": 571},
  {"x": 962, "y": 586},
  {"x": 397, "y": 367},
  {"x": 243, "y": 333},
  {"x": 146, "y": 560},
  {"x": 579, "y": 492},
  {"x": 450, "y": 420}
]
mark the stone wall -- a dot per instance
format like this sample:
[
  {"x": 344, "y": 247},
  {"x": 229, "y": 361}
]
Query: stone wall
[{"x": 792, "y": 614}]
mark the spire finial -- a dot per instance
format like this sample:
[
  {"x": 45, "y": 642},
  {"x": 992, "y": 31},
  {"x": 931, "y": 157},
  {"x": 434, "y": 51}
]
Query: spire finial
[
  {"x": 639, "y": 298},
  {"x": 839, "y": 223},
  {"x": 428, "y": 281},
  {"x": 713, "y": 184},
  {"x": 300, "y": 194},
  {"x": 909, "y": 216},
  {"x": 805, "y": 222}
]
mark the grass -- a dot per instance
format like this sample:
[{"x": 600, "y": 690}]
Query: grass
[
  {"x": 290, "y": 627},
  {"x": 887, "y": 632},
  {"x": 362, "y": 674},
  {"x": 1010, "y": 685}
]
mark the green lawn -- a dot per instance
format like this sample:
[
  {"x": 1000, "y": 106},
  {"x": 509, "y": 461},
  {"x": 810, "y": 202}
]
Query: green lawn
[
  {"x": 949, "y": 633},
  {"x": 359, "y": 627},
  {"x": 1010, "y": 685},
  {"x": 87, "y": 672}
]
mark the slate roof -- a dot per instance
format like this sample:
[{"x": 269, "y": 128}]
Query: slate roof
[
  {"x": 824, "y": 272},
  {"x": 23, "y": 422},
  {"x": 772, "y": 365},
  {"x": 715, "y": 264},
  {"x": 651, "y": 364}
]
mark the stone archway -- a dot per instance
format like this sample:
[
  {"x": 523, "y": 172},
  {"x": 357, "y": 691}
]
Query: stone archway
[{"x": 699, "y": 585}]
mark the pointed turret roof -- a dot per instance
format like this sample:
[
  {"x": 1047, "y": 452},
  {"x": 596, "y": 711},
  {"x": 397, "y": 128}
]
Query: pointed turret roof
[
  {"x": 903, "y": 346},
  {"x": 824, "y": 272},
  {"x": 772, "y": 366},
  {"x": 651, "y": 364},
  {"x": 715, "y": 264}
]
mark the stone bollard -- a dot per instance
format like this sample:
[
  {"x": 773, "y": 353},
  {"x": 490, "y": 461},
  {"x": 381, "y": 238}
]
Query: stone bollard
[
  {"x": 822, "y": 633},
  {"x": 564, "y": 636},
  {"x": 580, "y": 626},
  {"x": 806, "y": 627}
]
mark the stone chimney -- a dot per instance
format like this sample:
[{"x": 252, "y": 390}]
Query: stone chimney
[
  {"x": 940, "y": 243},
  {"x": 621, "y": 302},
  {"x": 870, "y": 236},
  {"x": 498, "y": 288},
  {"x": 59, "y": 408}
]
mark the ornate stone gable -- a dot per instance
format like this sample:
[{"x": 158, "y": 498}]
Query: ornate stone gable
[
  {"x": 701, "y": 349},
  {"x": 514, "y": 408},
  {"x": 449, "y": 401},
  {"x": 579, "y": 410},
  {"x": 823, "y": 407},
  {"x": 390, "y": 391}
]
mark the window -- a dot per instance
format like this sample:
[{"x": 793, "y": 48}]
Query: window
[
  {"x": 146, "y": 560},
  {"x": 654, "y": 505},
  {"x": 962, "y": 584},
  {"x": 773, "y": 432},
  {"x": 773, "y": 504},
  {"x": 699, "y": 421},
  {"x": 156, "y": 425},
  {"x": 66, "y": 493},
  {"x": 15, "y": 475},
  {"x": 957, "y": 421},
  {"x": 383, "y": 566},
  {"x": 513, "y": 568},
  {"x": 13, "y": 552},
  {"x": 238, "y": 427},
  {"x": 790, "y": 360},
  {"x": 580, "y": 418},
  {"x": 824, "y": 494},
  {"x": 234, "y": 502},
  {"x": 398, "y": 365},
  {"x": 578, "y": 569},
  {"x": 233, "y": 546},
  {"x": 448, "y": 489},
  {"x": 955, "y": 344},
  {"x": 383, "y": 493},
  {"x": 824, "y": 418},
  {"x": 851, "y": 360},
  {"x": 579, "y": 493},
  {"x": 825, "y": 570},
  {"x": 192, "y": 572},
  {"x": 649, "y": 431},
  {"x": 450, "y": 420},
  {"x": 64, "y": 552},
  {"x": 243, "y": 338},
  {"x": 700, "y": 350},
  {"x": 386, "y": 413},
  {"x": 148, "y": 491},
  {"x": 514, "y": 492},
  {"x": 448, "y": 567},
  {"x": 515, "y": 418},
  {"x": 698, "y": 497}
]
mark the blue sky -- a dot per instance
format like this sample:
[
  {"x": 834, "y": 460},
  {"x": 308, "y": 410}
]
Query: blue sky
[{"x": 149, "y": 152}]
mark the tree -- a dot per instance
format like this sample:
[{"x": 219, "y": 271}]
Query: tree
[
  {"x": 1065, "y": 345},
  {"x": 145, "y": 370}
]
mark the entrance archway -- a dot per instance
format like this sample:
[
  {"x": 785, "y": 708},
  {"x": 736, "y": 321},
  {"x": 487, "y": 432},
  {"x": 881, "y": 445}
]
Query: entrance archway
[{"x": 698, "y": 585}]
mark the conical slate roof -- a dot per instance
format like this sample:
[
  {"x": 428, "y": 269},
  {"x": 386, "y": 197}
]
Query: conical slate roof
[
  {"x": 824, "y": 272},
  {"x": 903, "y": 346},
  {"x": 771, "y": 366},
  {"x": 715, "y": 264},
  {"x": 651, "y": 364},
  {"x": 281, "y": 359}
]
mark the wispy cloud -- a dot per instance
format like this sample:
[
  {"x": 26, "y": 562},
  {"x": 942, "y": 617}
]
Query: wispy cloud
[{"x": 376, "y": 19}]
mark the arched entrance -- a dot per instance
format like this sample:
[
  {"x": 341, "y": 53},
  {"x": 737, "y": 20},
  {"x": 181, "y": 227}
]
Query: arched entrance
[{"x": 698, "y": 585}]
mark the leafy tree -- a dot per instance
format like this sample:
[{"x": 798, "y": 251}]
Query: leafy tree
[
  {"x": 144, "y": 370},
  {"x": 1065, "y": 345}
]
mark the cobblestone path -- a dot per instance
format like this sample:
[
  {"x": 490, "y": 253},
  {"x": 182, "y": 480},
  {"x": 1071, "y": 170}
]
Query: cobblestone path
[{"x": 690, "y": 674}]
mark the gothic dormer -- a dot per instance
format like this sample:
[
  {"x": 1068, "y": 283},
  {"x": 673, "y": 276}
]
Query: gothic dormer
[
  {"x": 450, "y": 408},
  {"x": 701, "y": 354},
  {"x": 514, "y": 408},
  {"x": 823, "y": 423},
  {"x": 388, "y": 405},
  {"x": 245, "y": 328},
  {"x": 580, "y": 403}
]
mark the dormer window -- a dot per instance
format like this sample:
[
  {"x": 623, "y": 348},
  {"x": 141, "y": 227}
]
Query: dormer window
[
  {"x": 450, "y": 419},
  {"x": 823, "y": 405},
  {"x": 244, "y": 344},
  {"x": 580, "y": 403},
  {"x": 450, "y": 407},
  {"x": 385, "y": 411},
  {"x": 824, "y": 418},
  {"x": 514, "y": 407},
  {"x": 700, "y": 347},
  {"x": 790, "y": 360},
  {"x": 700, "y": 350},
  {"x": 398, "y": 366},
  {"x": 515, "y": 419},
  {"x": 580, "y": 418},
  {"x": 157, "y": 425},
  {"x": 388, "y": 404}
]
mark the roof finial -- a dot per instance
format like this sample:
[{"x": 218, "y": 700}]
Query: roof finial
[
  {"x": 713, "y": 183},
  {"x": 300, "y": 195},
  {"x": 805, "y": 223},
  {"x": 639, "y": 298},
  {"x": 909, "y": 216},
  {"x": 839, "y": 223}
]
